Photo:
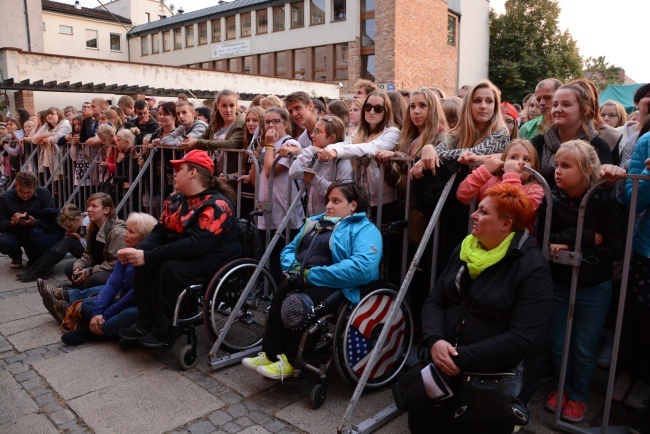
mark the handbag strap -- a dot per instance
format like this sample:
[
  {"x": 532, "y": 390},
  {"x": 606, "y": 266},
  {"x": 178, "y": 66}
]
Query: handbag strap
[{"x": 463, "y": 305}]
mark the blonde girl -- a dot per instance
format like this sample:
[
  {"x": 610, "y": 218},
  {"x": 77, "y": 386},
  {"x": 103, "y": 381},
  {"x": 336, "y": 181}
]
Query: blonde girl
[
  {"x": 613, "y": 113},
  {"x": 356, "y": 113},
  {"x": 328, "y": 130}
]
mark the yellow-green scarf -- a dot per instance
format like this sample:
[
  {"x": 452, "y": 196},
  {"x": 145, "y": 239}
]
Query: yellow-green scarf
[{"x": 479, "y": 259}]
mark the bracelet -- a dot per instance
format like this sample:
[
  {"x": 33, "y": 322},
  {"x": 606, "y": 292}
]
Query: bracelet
[{"x": 269, "y": 147}]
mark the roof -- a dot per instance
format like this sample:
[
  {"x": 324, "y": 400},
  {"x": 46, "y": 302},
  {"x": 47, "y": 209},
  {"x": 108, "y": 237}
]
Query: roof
[
  {"x": 200, "y": 15},
  {"x": 97, "y": 14}
]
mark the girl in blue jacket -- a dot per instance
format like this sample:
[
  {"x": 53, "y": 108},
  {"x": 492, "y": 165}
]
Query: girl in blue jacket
[{"x": 338, "y": 250}]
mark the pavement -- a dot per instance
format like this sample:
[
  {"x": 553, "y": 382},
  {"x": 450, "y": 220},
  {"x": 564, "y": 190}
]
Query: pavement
[{"x": 48, "y": 387}]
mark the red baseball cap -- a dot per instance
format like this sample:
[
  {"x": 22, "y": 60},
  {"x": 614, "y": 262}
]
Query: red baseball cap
[
  {"x": 195, "y": 156},
  {"x": 509, "y": 109}
]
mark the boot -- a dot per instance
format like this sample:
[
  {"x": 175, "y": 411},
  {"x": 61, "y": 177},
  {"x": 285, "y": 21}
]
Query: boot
[
  {"x": 79, "y": 336},
  {"x": 41, "y": 268}
]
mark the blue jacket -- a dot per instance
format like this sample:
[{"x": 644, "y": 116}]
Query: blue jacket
[
  {"x": 641, "y": 240},
  {"x": 356, "y": 251},
  {"x": 120, "y": 283}
]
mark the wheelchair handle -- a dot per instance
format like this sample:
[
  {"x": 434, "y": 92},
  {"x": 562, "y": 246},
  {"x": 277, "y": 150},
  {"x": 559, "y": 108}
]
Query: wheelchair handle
[{"x": 398, "y": 225}]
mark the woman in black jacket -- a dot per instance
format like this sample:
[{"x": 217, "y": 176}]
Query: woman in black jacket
[{"x": 508, "y": 284}]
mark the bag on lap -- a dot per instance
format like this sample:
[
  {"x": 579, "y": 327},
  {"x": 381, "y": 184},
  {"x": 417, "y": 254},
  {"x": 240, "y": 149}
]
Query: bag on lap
[{"x": 73, "y": 319}]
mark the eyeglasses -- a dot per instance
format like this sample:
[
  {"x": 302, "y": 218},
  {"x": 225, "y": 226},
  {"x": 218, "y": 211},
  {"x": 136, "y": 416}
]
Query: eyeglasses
[
  {"x": 317, "y": 131},
  {"x": 377, "y": 108},
  {"x": 272, "y": 122},
  {"x": 609, "y": 115}
]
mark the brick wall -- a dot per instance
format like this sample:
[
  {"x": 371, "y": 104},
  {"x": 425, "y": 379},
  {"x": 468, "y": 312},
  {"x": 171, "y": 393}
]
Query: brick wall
[
  {"x": 386, "y": 39},
  {"x": 24, "y": 99}
]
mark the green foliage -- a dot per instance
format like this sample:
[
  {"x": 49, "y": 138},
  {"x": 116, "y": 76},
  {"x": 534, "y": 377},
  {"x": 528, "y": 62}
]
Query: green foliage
[
  {"x": 527, "y": 46},
  {"x": 602, "y": 73}
]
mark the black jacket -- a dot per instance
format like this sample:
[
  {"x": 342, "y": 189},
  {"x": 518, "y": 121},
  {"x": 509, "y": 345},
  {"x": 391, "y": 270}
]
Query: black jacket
[
  {"x": 40, "y": 206},
  {"x": 148, "y": 128},
  {"x": 507, "y": 311},
  {"x": 605, "y": 216}
]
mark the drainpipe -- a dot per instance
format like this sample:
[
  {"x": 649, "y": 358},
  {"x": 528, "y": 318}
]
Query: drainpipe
[{"x": 29, "y": 40}]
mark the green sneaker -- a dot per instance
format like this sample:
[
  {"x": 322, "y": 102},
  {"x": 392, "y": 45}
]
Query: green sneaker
[
  {"x": 277, "y": 370},
  {"x": 254, "y": 362}
]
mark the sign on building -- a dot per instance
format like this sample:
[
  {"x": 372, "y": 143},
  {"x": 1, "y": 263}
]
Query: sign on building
[
  {"x": 231, "y": 49},
  {"x": 386, "y": 86}
]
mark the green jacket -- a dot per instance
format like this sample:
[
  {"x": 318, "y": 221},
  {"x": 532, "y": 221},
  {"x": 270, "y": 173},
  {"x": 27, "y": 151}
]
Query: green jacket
[{"x": 529, "y": 129}]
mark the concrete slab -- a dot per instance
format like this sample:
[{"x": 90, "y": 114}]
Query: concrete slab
[
  {"x": 20, "y": 325},
  {"x": 326, "y": 419},
  {"x": 157, "y": 402},
  {"x": 15, "y": 402},
  {"x": 242, "y": 380},
  {"x": 93, "y": 368},
  {"x": 255, "y": 429},
  {"x": 31, "y": 423},
  {"x": 45, "y": 334},
  {"x": 21, "y": 306}
]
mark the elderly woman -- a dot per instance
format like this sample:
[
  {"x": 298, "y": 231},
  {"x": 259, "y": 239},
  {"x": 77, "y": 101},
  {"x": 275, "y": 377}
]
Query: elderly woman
[
  {"x": 507, "y": 283},
  {"x": 114, "y": 307}
]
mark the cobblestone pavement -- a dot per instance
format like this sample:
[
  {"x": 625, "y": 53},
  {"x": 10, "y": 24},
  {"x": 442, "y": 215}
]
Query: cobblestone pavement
[{"x": 46, "y": 386}]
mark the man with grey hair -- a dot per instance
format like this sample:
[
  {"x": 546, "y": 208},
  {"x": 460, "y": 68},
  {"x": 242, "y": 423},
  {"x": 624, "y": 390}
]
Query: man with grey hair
[{"x": 544, "y": 93}]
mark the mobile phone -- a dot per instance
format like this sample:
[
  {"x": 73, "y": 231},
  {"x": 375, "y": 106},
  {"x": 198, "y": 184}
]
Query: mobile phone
[{"x": 25, "y": 217}]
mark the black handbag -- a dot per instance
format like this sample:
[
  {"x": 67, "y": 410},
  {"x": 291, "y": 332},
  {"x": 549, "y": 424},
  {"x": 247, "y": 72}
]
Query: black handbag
[
  {"x": 489, "y": 395},
  {"x": 421, "y": 387}
]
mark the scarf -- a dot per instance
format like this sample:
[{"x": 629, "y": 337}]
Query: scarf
[
  {"x": 552, "y": 143},
  {"x": 477, "y": 258}
]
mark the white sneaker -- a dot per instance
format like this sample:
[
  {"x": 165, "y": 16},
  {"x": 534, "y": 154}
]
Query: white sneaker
[
  {"x": 605, "y": 358},
  {"x": 640, "y": 393},
  {"x": 622, "y": 387}
]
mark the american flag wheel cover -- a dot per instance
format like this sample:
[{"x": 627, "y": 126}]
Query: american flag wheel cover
[{"x": 371, "y": 313}]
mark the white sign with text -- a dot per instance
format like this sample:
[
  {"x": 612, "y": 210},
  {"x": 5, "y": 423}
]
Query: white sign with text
[{"x": 231, "y": 49}]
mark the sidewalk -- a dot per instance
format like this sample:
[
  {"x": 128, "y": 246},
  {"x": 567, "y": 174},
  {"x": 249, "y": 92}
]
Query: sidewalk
[{"x": 47, "y": 387}]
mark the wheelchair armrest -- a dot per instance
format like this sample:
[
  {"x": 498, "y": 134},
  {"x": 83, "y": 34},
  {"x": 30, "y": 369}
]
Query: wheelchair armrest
[
  {"x": 195, "y": 289},
  {"x": 336, "y": 298},
  {"x": 398, "y": 225}
]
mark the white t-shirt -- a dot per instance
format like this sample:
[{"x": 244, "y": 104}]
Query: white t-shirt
[
  {"x": 304, "y": 140},
  {"x": 281, "y": 184}
]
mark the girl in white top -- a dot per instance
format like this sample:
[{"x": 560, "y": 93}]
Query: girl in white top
[
  {"x": 47, "y": 137},
  {"x": 328, "y": 130},
  {"x": 375, "y": 133}
]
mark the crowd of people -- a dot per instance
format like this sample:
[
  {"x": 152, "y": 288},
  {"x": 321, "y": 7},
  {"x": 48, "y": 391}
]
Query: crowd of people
[{"x": 512, "y": 302}]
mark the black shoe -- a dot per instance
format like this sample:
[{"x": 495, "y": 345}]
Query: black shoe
[
  {"x": 642, "y": 424},
  {"x": 549, "y": 373},
  {"x": 150, "y": 341},
  {"x": 32, "y": 276},
  {"x": 79, "y": 336},
  {"x": 133, "y": 333}
]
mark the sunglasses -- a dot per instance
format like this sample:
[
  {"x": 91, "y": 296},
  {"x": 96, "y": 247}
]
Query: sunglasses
[{"x": 377, "y": 108}]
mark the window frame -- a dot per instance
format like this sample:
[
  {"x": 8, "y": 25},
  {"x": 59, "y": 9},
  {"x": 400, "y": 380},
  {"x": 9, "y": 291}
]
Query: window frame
[
  {"x": 241, "y": 25},
  {"x": 178, "y": 44},
  {"x": 335, "y": 14},
  {"x": 234, "y": 32},
  {"x": 155, "y": 49},
  {"x": 144, "y": 45},
  {"x": 284, "y": 18},
  {"x": 218, "y": 33},
  {"x": 452, "y": 32},
  {"x": 257, "y": 22},
  {"x": 275, "y": 64},
  {"x": 170, "y": 33},
  {"x": 187, "y": 36},
  {"x": 311, "y": 12},
  {"x": 205, "y": 25},
  {"x": 338, "y": 66},
  {"x": 110, "y": 42},
  {"x": 96, "y": 39},
  {"x": 323, "y": 70},
  {"x": 291, "y": 9},
  {"x": 261, "y": 64},
  {"x": 65, "y": 33},
  {"x": 296, "y": 70}
]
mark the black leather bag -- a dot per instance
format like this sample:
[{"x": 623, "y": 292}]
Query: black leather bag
[
  {"x": 421, "y": 387},
  {"x": 492, "y": 396}
]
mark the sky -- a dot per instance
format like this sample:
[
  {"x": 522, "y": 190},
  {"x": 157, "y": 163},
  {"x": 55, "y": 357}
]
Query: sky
[{"x": 610, "y": 28}]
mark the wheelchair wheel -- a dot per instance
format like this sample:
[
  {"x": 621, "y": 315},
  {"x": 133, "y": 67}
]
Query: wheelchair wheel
[
  {"x": 222, "y": 295},
  {"x": 187, "y": 357},
  {"x": 358, "y": 328},
  {"x": 317, "y": 396}
]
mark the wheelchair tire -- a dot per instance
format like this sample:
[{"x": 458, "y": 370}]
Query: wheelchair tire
[
  {"x": 318, "y": 396},
  {"x": 358, "y": 328},
  {"x": 187, "y": 357},
  {"x": 222, "y": 295}
]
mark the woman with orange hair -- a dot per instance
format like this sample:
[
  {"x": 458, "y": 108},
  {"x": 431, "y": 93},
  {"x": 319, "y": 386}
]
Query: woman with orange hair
[{"x": 507, "y": 285}]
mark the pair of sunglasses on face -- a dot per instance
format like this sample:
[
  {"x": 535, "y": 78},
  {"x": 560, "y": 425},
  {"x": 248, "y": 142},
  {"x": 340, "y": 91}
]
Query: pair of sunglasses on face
[{"x": 376, "y": 108}]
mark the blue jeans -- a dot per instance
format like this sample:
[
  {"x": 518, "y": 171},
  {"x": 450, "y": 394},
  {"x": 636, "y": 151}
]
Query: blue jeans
[
  {"x": 82, "y": 294},
  {"x": 35, "y": 241},
  {"x": 113, "y": 325},
  {"x": 590, "y": 312}
]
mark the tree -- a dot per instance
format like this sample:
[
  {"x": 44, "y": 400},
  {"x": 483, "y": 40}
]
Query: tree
[
  {"x": 602, "y": 73},
  {"x": 527, "y": 46}
]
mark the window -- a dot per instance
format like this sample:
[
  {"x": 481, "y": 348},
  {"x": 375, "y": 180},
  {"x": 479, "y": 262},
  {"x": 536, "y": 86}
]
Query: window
[
  {"x": 341, "y": 62},
  {"x": 148, "y": 15},
  {"x": 451, "y": 30},
  {"x": 367, "y": 5},
  {"x": 264, "y": 63},
  {"x": 297, "y": 14},
  {"x": 91, "y": 39},
  {"x": 116, "y": 42},
  {"x": 248, "y": 64},
  {"x": 167, "y": 41},
  {"x": 339, "y": 9},
  {"x": 203, "y": 33},
  {"x": 233, "y": 65},
  {"x": 216, "y": 30},
  {"x": 178, "y": 39},
  {"x": 262, "y": 21},
  {"x": 144, "y": 45},
  {"x": 368, "y": 67},
  {"x": 320, "y": 63},
  {"x": 220, "y": 65},
  {"x": 281, "y": 64},
  {"x": 155, "y": 46},
  {"x": 189, "y": 36},
  {"x": 206, "y": 65},
  {"x": 368, "y": 32},
  {"x": 299, "y": 60},
  {"x": 65, "y": 30},
  {"x": 278, "y": 18},
  {"x": 317, "y": 12},
  {"x": 231, "y": 32},
  {"x": 245, "y": 24}
]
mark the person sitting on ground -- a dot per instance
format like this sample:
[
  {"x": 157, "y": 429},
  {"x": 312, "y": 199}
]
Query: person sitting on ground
[
  {"x": 104, "y": 237},
  {"x": 189, "y": 126},
  {"x": 114, "y": 307},
  {"x": 27, "y": 220},
  {"x": 74, "y": 242},
  {"x": 338, "y": 250},
  {"x": 196, "y": 235}
]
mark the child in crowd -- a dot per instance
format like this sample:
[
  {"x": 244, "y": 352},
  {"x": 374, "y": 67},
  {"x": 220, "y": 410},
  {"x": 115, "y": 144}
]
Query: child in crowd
[
  {"x": 5, "y": 140},
  {"x": 127, "y": 159},
  {"x": 328, "y": 130},
  {"x": 577, "y": 168}
]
